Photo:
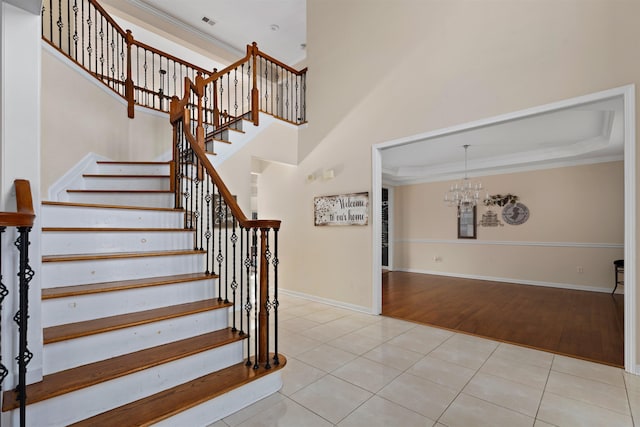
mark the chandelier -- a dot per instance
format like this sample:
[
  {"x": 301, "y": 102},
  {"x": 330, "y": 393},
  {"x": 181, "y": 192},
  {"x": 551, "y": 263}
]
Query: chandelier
[{"x": 466, "y": 194}]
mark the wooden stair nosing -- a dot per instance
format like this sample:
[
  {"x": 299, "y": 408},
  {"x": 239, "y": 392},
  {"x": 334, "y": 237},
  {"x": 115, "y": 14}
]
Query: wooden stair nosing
[
  {"x": 122, "y": 285},
  {"x": 122, "y": 191},
  {"x": 69, "y": 380},
  {"x": 224, "y": 141},
  {"x": 106, "y": 324},
  {"x": 115, "y": 229},
  {"x": 105, "y": 206},
  {"x": 96, "y": 175},
  {"x": 160, "y": 406},
  {"x": 118, "y": 255},
  {"x": 113, "y": 162}
]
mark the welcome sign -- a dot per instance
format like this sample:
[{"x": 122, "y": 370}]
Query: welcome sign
[{"x": 343, "y": 209}]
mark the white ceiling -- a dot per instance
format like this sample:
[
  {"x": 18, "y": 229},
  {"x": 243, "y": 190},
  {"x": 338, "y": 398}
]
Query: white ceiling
[
  {"x": 239, "y": 23},
  {"x": 589, "y": 133}
]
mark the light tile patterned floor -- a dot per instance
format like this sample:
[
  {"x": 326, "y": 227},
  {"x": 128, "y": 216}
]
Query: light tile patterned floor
[{"x": 350, "y": 369}]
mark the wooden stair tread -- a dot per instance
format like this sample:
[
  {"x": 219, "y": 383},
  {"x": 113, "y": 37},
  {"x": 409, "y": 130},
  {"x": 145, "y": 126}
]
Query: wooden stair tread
[
  {"x": 104, "y": 206},
  {"x": 160, "y": 406},
  {"x": 116, "y": 229},
  {"x": 91, "y": 327},
  {"x": 73, "y": 379},
  {"x": 224, "y": 141},
  {"x": 122, "y": 191},
  {"x": 94, "y": 288},
  {"x": 96, "y": 175},
  {"x": 115, "y": 255}
]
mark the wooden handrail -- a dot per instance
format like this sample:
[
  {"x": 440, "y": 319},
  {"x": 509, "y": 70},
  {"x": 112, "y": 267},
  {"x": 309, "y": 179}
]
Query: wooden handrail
[
  {"x": 216, "y": 75},
  {"x": 108, "y": 18},
  {"x": 171, "y": 57},
  {"x": 25, "y": 215},
  {"x": 229, "y": 200},
  {"x": 278, "y": 63}
]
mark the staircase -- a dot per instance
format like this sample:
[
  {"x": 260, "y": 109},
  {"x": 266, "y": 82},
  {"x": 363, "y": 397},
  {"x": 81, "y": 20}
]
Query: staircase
[{"x": 135, "y": 331}]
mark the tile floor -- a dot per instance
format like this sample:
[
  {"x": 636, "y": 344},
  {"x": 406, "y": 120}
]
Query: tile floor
[{"x": 350, "y": 369}]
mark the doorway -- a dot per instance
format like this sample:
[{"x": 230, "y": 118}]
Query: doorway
[{"x": 626, "y": 95}]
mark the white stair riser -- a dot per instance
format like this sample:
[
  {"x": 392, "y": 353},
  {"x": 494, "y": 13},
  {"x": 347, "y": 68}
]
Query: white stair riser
[
  {"x": 132, "y": 169},
  {"x": 60, "y": 311},
  {"x": 102, "y": 397},
  {"x": 152, "y": 200},
  {"x": 80, "y": 242},
  {"x": 77, "y": 216},
  {"x": 80, "y": 351},
  {"x": 66, "y": 273},
  {"x": 126, "y": 183},
  {"x": 213, "y": 410}
]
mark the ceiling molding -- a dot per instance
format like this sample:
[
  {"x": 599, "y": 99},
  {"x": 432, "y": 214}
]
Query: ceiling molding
[{"x": 186, "y": 27}]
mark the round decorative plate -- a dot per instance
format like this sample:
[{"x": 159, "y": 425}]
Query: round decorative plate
[{"x": 515, "y": 213}]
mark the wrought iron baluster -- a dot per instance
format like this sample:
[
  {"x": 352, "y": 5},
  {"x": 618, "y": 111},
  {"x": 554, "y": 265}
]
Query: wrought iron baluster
[
  {"x": 112, "y": 45},
  {"x": 220, "y": 257},
  {"x": 162, "y": 72},
  {"x": 228, "y": 97},
  {"x": 82, "y": 22},
  {"x": 256, "y": 333},
  {"x": 249, "y": 86},
  {"x": 235, "y": 92},
  {"x": 234, "y": 283},
  {"x": 247, "y": 305},
  {"x": 101, "y": 47},
  {"x": 75, "y": 29},
  {"x": 89, "y": 24},
  {"x": 207, "y": 233},
  {"x": 226, "y": 253},
  {"x": 185, "y": 182},
  {"x": 196, "y": 212},
  {"x": 287, "y": 104},
  {"x": 276, "y": 303},
  {"x": 3, "y": 293},
  {"x": 146, "y": 88},
  {"x": 51, "y": 20},
  {"x": 241, "y": 265},
  {"x": 95, "y": 33},
  {"x": 122, "y": 61},
  {"x": 68, "y": 27},
  {"x": 304, "y": 98},
  {"x": 25, "y": 274},
  {"x": 267, "y": 303}
]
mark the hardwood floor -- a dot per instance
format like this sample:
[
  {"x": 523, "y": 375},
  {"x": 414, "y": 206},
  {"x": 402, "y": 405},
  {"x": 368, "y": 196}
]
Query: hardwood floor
[{"x": 588, "y": 325}]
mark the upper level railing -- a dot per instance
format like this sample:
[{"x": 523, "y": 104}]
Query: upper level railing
[
  {"x": 23, "y": 221},
  {"x": 146, "y": 76}
]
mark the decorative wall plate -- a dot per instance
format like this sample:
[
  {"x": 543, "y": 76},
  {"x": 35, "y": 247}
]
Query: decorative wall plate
[{"x": 515, "y": 213}]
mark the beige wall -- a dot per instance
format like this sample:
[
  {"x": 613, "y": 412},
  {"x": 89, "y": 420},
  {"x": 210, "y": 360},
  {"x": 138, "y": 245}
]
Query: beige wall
[
  {"x": 576, "y": 220},
  {"x": 418, "y": 66},
  {"x": 79, "y": 117}
]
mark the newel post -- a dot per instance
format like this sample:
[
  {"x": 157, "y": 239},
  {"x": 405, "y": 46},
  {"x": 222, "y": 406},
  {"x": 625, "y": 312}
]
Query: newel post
[
  {"x": 200, "y": 127},
  {"x": 254, "y": 91},
  {"x": 128, "y": 84},
  {"x": 216, "y": 108}
]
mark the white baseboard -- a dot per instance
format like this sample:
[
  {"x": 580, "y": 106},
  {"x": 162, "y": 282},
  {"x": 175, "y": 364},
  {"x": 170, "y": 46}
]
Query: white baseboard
[
  {"x": 73, "y": 177},
  {"x": 511, "y": 280},
  {"x": 339, "y": 304}
]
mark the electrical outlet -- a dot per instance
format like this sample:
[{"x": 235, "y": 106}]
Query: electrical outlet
[
  {"x": 437, "y": 258},
  {"x": 579, "y": 269}
]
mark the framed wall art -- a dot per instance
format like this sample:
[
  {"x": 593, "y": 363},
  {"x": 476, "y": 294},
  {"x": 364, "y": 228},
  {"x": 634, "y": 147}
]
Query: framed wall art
[{"x": 343, "y": 209}]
